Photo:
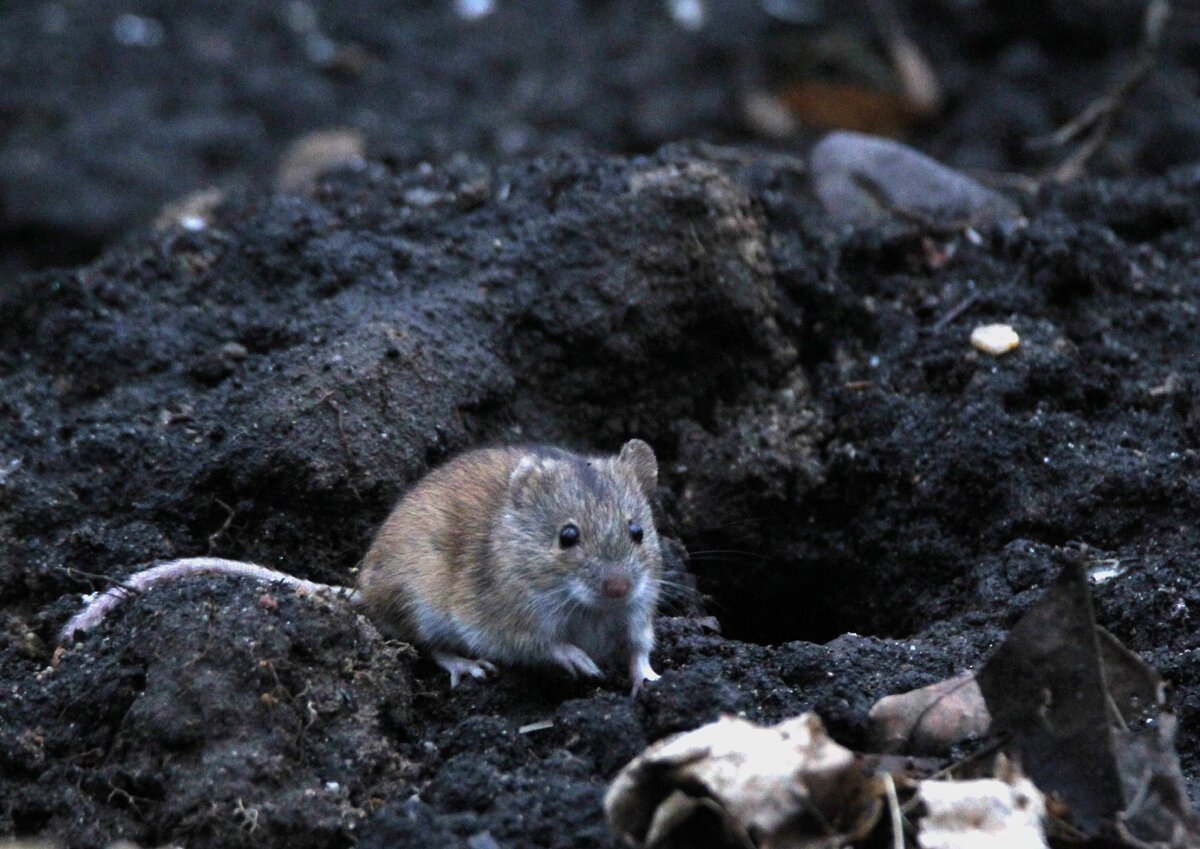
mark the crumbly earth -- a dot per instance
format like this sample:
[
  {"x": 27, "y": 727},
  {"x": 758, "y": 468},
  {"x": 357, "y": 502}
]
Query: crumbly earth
[{"x": 863, "y": 501}]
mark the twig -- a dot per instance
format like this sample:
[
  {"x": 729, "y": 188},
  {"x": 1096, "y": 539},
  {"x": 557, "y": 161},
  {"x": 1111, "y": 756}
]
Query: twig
[
  {"x": 889, "y": 784},
  {"x": 916, "y": 217},
  {"x": 956, "y": 310},
  {"x": 351, "y": 465},
  {"x": 215, "y": 535},
  {"x": 988, "y": 750},
  {"x": 74, "y": 572},
  {"x": 1095, "y": 124},
  {"x": 921, "y": 87}
]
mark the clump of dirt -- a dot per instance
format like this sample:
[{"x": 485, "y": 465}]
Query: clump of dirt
[
  {"x": 868, "y": 502},
  {"x": 213, "y": 715}
]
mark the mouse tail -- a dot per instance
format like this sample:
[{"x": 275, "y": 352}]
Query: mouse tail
[{"x": 100, "y": 606}]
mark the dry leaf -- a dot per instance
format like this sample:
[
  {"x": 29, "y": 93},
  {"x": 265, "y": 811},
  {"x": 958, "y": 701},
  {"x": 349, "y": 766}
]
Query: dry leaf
[
  {"x": 931, "y": 719},
  {"x": 735, "y": 784},
  {"x": 1087, "y": 720},
  {"x": 843, "y": 106},
  {"x": 986, "y": 813}
]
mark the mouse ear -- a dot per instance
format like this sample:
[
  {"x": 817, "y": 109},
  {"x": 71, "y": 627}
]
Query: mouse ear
[
  {"x": 639, "y": 456},
  {"x": 526, "y": 475}
]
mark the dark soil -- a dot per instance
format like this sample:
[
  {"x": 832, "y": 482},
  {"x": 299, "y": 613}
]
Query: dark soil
[{"x": 865, "y": 501}]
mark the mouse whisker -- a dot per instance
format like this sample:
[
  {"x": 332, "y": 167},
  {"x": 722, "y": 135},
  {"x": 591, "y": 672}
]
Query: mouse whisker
[{"x": 693, "y": 555}]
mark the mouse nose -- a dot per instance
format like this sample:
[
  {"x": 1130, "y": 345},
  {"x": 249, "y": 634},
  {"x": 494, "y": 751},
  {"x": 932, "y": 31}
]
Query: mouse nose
[{"x": 615, "y": 586}]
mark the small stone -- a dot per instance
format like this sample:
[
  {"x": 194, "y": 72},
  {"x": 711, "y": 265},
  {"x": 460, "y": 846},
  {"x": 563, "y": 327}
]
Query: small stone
[
  {"x": 482, "y": 840},
  {"x": 316, "y": 153},
  {"x": 473, "y": 193},
  {"x": 423, "y": 198},
  {"x": 191, "y": 213},
  {"x": 689, "y": 14},
  {"x": 863, "y": 179},
  {"x": 768, "y": 116},
  {"x": 234, "y": 351},
  {"x": 136, "y": 31},
  {"x": 474, "y": 10},
  {"x": 995, "y": 339}
]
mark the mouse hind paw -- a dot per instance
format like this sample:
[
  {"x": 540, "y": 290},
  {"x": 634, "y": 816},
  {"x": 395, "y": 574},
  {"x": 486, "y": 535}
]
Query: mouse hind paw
[
  {"x": 575, "y": 660},
  {"x": 458, "y": 666}
]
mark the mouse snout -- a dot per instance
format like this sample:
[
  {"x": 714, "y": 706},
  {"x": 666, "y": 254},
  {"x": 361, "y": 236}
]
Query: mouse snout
[{"x": 615, "y": 585}]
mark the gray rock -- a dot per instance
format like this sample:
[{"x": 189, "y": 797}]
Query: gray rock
[{"x": 864, "y": 179}]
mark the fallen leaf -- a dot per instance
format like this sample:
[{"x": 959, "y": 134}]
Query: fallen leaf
[
  {"x": 844, "y": 106},
  {"x": 984, "y": 813},
  {"x": 931, "y": 719},
  {"x": 1087, "y": 721},
  {"x": 735, "y": 784}
]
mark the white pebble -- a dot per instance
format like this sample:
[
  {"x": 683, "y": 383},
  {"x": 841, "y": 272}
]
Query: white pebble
[
  {"x": 136, "y": 31},
  {"x": 995, "y": 339},
  {"x": 474, "y": 10},
  {"x": 689, "y": 14}
]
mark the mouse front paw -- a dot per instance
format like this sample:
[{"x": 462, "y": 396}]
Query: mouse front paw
[
  {"x": 458, "y": 666},
  {"x": 640, "y": 671},
  {"x": 575, "y": 660}
]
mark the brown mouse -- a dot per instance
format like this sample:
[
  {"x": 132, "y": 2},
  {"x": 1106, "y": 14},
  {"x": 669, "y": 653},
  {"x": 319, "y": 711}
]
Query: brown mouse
[{"x": 531, "y": 555}]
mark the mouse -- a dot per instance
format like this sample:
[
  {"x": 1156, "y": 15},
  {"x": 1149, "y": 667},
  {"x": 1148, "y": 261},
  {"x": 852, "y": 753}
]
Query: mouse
[{"x": 512, "y": 555}]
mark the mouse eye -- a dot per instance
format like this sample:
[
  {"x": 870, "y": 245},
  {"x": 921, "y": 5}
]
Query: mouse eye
[
  {"x": 569, "y": 535},
  {"x": 635, "y": 533}
]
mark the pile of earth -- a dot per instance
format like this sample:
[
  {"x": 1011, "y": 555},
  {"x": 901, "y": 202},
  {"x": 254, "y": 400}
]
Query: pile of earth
[{"x": 865, "y": 502}]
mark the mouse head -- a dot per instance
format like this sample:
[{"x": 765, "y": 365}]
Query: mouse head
[{"x": 580, "y": 529}]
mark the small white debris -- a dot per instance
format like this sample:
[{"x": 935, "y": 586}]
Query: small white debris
[
  {"x": 482, "y": 840},
  {"x": 318, "y": 152},
  {"x": 423, "y": 198},
  {"x": 768, "y": 116},
  {"x": 987, "y": 813},
  {"x": 541, "y": 725},
  {"x": 136, "y": 31},
  {"x": 319, "y": 48},
  {"x": 192, "y": 213},
  {"x": 689, "y": 14},
  {"x": 6, "y": 469},
  {"x": 1104, "y": 570},
  {"x": 474, "y": 10},
  {"x": 995, "y": 339},
  {"x": 797, "y": 12}
]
